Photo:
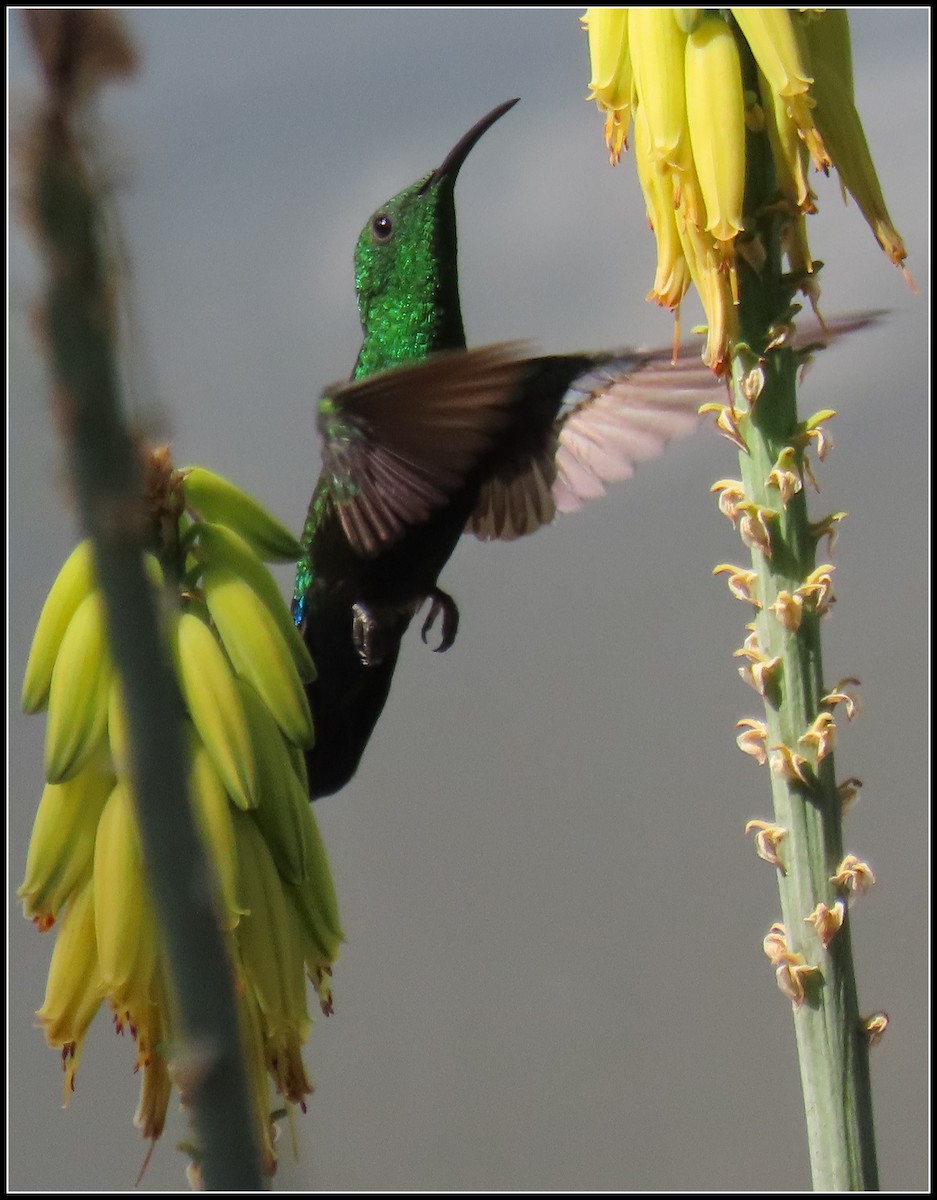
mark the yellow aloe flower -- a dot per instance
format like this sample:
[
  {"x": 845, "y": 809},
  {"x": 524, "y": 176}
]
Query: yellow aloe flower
[
  {"x": 772, "y": 37},
  {"x": 693, "y": 118},
  {"x": 74, "y": 988},
  {"x": 610, "y": 85},
  {"x": 125, "y": 924},
  {"x": 246, "y": 723},
  {"x": 61, "y": 849},
  {"x": 657, "y": 44},
  {"x": 773, "y": 41},
  {"x": 79, "y": 692},
  {"x": 673, "y": 278},
  {"x": 712, "y": 280},
  {"x": 716, "y": 117},
  {"x": 272, "y": 960},
  {"x": 73, "y": 583},
  {"x": 841, "y": 125}
]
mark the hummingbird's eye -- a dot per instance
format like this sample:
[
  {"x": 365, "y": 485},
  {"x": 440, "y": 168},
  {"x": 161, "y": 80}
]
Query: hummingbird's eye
[{"x": 382, "y": 227}]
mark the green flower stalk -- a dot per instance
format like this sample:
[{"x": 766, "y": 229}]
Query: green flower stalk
[
  {"x": 240, "y": 666},
  {"x": 731, "y": 109}
]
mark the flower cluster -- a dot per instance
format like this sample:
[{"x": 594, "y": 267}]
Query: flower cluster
[
  {"x": 696, "y": 84},
  {"x": 240, "y": 665}
]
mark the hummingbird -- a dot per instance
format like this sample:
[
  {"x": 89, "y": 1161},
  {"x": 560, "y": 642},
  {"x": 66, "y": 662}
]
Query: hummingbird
[{"x": 429, "y": 440}]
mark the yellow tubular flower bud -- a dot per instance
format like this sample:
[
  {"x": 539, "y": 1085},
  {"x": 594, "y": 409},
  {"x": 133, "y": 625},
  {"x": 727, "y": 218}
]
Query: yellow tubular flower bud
[
  {"x": 214, "y": 704},
  {"x": 723, "y": 323},
  {"x": 611, "y": 82},
  {"x": 657, "y": 52},
  {"x": 268, "y": 936},
  {"x": 712, "y": 283},
  {"x": 258, "y": 651},
  {"x": 79, "y": 692},
  {"x": 123, "y": 916},
  {"x": 214, "y": 498},
  {"x": 608, "y": 45},
  {"x": 74, "y": 989},
  {"x": 317, "y": 912},
  {"x": 773, "y": 41},
  {"x": 841, "y": 127},
  {"x": 716, "y": 117},
  {"x": 672, "y": 280},
  {"x": 673, "y": 275},
  {"x": 61, "y": 848},
  {"x": 217, "y": 545},
  {"x": 72, "y": 585},
  {"x": 316, "y": 902}
]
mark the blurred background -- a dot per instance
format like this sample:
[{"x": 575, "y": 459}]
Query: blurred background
[{"x": 553, "y": 976}]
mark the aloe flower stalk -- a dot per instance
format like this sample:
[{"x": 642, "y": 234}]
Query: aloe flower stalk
[
  {"x": 164, "y": 649},
  {"x": 766, "y": 96}
]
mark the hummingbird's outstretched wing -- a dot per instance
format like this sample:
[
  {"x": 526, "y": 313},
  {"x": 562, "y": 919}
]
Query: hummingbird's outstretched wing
[
  {"x": 398, "y": 445},
  {"x": 610, "y": 413}
]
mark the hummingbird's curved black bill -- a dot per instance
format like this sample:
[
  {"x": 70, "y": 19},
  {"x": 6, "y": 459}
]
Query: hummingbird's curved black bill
[{"x": 449, "y": 168}]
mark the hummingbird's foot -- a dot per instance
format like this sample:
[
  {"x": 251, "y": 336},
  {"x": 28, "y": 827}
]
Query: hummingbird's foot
[
  {"x": 376, "y": 633},
  {"x": 366, "y": 633},
  {"x": 362, "y": 633},
  {"x": 443, "y": 603}
]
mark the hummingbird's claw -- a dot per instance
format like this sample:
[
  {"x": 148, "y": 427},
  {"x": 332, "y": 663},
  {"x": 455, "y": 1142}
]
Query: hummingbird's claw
[{"x": 443, "y": 603}]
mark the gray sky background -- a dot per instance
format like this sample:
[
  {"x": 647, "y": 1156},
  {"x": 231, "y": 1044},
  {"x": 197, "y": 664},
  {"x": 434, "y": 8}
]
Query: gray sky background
[{"x": 553, "y": 977}]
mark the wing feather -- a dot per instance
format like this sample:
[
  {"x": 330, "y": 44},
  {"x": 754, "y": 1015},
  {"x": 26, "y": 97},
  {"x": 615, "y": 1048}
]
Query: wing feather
[
  {"x": 398, "y": 445},
  {"x": 619, "y": 411}
]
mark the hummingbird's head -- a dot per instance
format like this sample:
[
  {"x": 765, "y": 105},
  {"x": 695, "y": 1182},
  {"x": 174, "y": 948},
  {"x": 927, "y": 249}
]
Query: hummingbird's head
[{"x": 406, "y": 274}]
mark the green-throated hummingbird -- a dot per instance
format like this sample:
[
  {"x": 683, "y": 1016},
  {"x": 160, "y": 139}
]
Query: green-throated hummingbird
[{"x": 483, "y": 441}]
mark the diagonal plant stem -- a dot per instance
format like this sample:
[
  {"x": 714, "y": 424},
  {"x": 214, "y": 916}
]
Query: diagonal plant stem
[{"x": 78, "y": 325}]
